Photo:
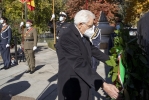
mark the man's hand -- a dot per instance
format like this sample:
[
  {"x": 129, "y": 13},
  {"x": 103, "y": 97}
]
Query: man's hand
[
  {"x": 21, "y": 24},
  {"x": 34, "y": 48},
  {"x": 53, "y": 16},
  {"x": 111, "y": 90},
  {"x": 7, "y": 45}
]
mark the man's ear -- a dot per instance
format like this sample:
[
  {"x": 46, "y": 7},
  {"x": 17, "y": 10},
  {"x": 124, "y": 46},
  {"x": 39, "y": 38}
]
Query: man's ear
[{"x": 79, "y": 25}]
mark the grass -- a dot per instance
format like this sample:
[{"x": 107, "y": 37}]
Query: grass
[{"x": 50, "y": 42}]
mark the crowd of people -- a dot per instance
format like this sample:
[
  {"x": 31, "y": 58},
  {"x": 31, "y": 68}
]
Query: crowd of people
[{"x": 77, "y": 48}]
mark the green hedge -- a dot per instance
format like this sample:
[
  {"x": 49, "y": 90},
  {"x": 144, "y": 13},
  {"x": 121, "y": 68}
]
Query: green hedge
[{"x": 51, "y": 44}]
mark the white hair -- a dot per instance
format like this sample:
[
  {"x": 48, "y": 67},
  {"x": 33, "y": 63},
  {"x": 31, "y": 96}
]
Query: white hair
[{"x": 83, "y": 16}]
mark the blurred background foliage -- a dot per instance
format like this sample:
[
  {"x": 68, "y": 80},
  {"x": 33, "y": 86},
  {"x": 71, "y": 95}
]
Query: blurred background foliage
[
  {"x": 14, "y": 11},
  {"x": 129, "y": 10}
]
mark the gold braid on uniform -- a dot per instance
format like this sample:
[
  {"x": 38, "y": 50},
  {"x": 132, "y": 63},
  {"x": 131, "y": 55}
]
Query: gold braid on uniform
[
  {"x": 95, "y": 33},
  {"x": 27, "y": 32}
]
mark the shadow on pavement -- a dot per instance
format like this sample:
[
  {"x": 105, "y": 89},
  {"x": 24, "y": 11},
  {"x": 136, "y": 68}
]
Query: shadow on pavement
[
  {"x": 1, "y": 63},
  {"x": 39, "y": 67},
  {"x": 40, "y": 48},
  {"x": 53, "y": 78},
  {"x": 16, "y": 78},
  {"x": 13, "y": 89},
  {"x": 49, "y": 93},
  {"x": 49, "y": 90}
]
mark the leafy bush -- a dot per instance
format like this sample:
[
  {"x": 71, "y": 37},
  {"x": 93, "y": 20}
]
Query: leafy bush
[{"x": 134, "y": 59}]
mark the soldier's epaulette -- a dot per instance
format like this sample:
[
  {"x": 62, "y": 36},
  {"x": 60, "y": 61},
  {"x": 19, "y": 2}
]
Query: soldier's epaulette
[{"x": 96, "y": 33}]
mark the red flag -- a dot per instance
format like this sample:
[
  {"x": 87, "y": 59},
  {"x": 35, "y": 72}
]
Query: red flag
[
  {"x": 23, "y": 1},
  {"x": 31, "y": 5}
]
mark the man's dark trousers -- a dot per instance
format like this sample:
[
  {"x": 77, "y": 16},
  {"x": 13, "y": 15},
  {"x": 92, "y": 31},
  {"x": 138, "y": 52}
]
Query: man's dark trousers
[{"x": 5, "y": 53}]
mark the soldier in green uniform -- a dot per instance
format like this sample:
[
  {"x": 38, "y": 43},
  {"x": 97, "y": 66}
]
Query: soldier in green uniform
[{"x": 30, "y": 44}]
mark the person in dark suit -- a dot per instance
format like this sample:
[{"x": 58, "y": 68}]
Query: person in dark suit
[
  {"x": 5, "y": 38},
  {"x": 20, "y": 54},
  {"x": 143, "y": 32},
  {"x": 74, "y": 51}
]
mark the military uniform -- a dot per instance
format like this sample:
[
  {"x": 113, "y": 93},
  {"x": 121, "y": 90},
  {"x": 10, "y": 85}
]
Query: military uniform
[
  {"x": 30, "y": 40},
  {"x": 96, "y": 42},
  {"x": 5, "y": 38},
  {"x": 60, "y": 26}
]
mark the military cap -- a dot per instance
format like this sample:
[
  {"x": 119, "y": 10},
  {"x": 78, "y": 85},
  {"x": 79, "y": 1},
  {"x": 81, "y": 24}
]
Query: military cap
[
  {"x": 29, "y": 21},
  {"x": 62, "y": 14}
]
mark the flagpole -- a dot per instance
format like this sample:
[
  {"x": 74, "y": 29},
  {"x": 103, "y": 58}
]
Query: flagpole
[
  {"x": 22, "y": 12},
  {"x": 22, "y": 28},
  {"x": 54, "y": 26},
  {"x": 25, "y": 11}
]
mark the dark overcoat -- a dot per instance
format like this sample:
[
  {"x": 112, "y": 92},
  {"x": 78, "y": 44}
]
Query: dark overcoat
[
  {"x": 143, "y": 31},
  {"x": 75, "y": 76}
]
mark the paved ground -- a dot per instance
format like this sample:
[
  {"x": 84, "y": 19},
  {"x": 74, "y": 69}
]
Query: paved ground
[{"x": 42, "y": 85}]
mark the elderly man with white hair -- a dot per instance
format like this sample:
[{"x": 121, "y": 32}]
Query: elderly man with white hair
[{"x": 74, "y": 51}]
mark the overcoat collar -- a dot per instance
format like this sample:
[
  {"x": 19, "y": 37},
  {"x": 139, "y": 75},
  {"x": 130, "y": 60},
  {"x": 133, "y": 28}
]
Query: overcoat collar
[
  {"x": 75, "y": 30},
  {"x": 86, "y": 44}
]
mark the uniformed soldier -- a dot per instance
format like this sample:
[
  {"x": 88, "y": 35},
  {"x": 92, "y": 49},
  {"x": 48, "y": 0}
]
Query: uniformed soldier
[
  {"x": 60, "y": 25},
  {"x": 5, "y": 38},
  {"x": 96, "y": 38},
  {"x": 30, "y": 45}
]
